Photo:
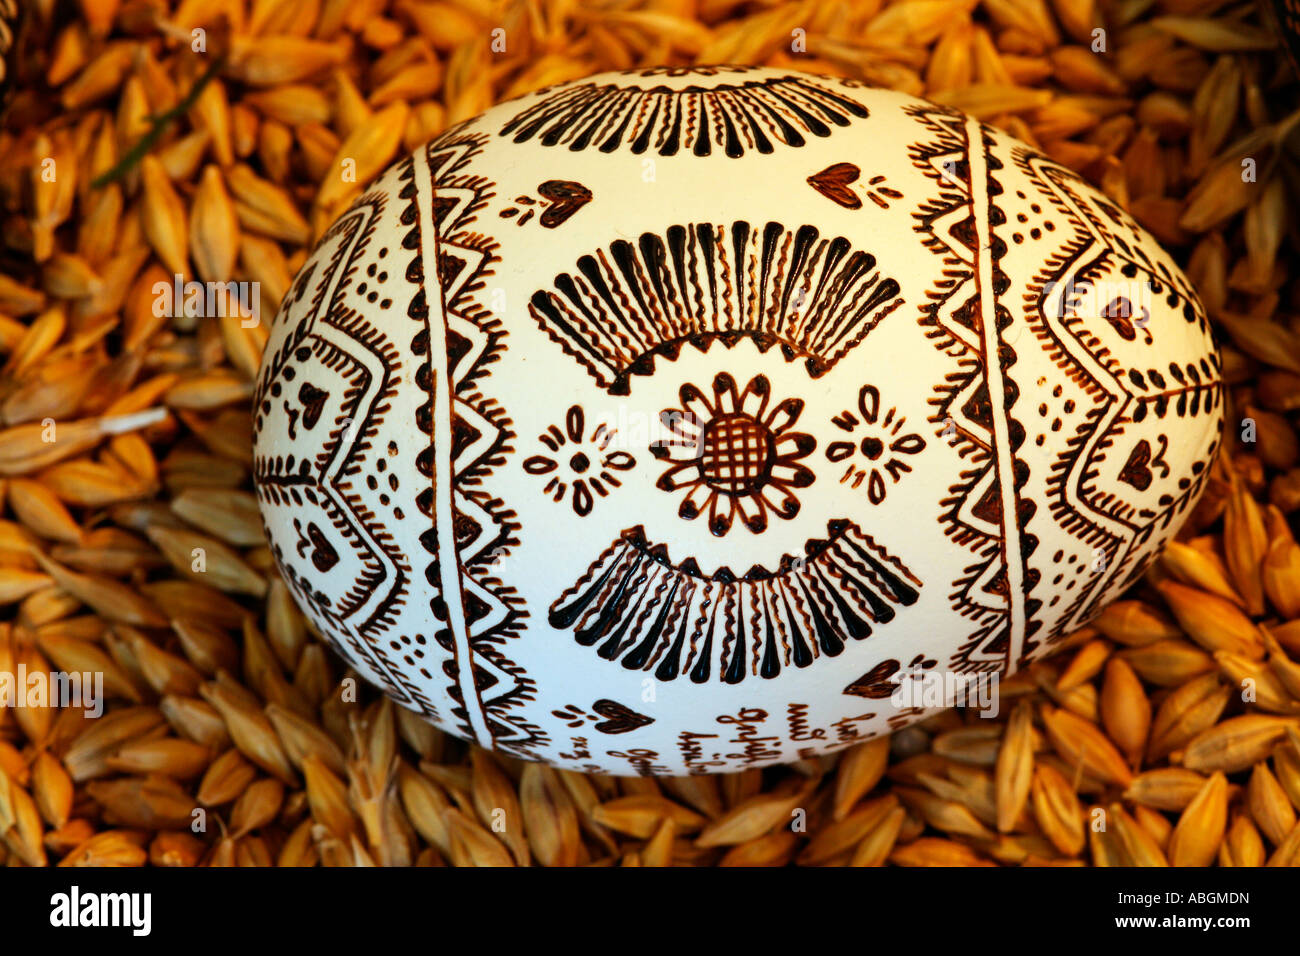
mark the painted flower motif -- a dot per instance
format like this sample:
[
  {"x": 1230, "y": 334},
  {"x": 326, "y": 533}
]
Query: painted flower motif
[
  {"x": 590, "y": 465},
  {"x": 882, "y": 447},
  {"x": 734, "y": 454}
]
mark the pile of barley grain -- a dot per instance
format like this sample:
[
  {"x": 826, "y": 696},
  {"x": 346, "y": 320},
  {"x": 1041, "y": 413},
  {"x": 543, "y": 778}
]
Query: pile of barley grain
[{"x": 1176, "y": 715}]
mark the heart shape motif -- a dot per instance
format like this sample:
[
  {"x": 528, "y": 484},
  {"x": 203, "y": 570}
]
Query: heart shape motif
[
  {"x": 878, "y": 683},
  {"x": 1137, "y": 470},
  {"x": 564, "y": 198},
  {"x": 313, "y": 401},
  {"x": 833, "y": 183},
  {"x": 323, "y": 555},
  {"x": 619, "y": 719}
]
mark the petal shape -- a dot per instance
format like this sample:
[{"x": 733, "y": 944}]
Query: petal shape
[
  {"x": 696, "y": 405},
  {"x": 539, "y": 465},
  {"x": 869, "y": 403},
  {"x": 679, "y": 422},
  {"x": 582, "y": 499},
  {"x": 574, "y": 423},
  {"x": 679, "y": 476},
  {"x": 696, "y": 501},
  {"x": 908, "y": 444},
  {"x": 780, "y": 500},
  {"x": 792, "y": 445},
  {"x": 791, "y": 474},
  {"x": 722, "y": 508},
  {"x": 619, "y": 461},
  {"x": 754, "y": 400},
  {"x": 785, "y": 414},
  {"x": 839, "y": 450},
  {"x": 674, "y": 449},
  {"x": 753, "y": 512},
  {"x": 725, "y": 396}
]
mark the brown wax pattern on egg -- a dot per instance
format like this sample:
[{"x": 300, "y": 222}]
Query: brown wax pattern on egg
[{"x": 553, "y": 457}]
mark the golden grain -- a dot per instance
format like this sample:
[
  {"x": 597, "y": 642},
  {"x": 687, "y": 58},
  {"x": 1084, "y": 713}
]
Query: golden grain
[
  {"x": 112, "y": 522},
  {"x": 1080, "y": 743},
  {"x": 1015, "y": 766},
  {"x": 1196, "y": 838},
  {"x": 1235, "y": 744}
]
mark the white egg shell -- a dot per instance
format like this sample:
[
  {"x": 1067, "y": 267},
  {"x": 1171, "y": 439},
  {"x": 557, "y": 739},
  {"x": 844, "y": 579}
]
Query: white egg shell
[{"x": 679, "y": 421}]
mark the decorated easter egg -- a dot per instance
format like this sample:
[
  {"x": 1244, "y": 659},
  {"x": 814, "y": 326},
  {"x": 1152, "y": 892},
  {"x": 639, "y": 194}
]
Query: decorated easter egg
[{"x": 689, "y": 420}]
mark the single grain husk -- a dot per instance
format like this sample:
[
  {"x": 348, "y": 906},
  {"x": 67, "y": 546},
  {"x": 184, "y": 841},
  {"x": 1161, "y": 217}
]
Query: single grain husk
[
  {"x": 1269, "y": 807},
  {"x": 169, "y": 757},
  {"x": 935, "y": 851},
  {"x": 257, "y": 806},
  {"x": 471, "y": 845},
  {"x": 327, "y": 797},
  {"x": 1015, "y": 766},
  {"x": 1057, "y": 810},
  {"x": 1081, "y": 743},
  {"x": 1140, "y": 846},
  {"x": 301, "y": 737},
  {"x": 40, "y": 510},
  {"x": 1286, "y": 670},
  {"x": 1286, "y": 766},
  {"x": 1288, "y": 851},
  {"x": 1243, "y": 845},
  {"x": 1165, "y": 788},
  {"x": 1085, "y": 665},
  {"x": 1168, "y": 663},
  {"x": 1281, "y": 576},
  {"x": 226, "y": 513},
  {"x": 497, "y": 804},
  {"x": 1104, "y": 843},
  {"x": 1125, "y": 710},
  {"x": 698, "y": 791},
  {"x": 877, "y": 845},
  {"x": 225, "y": 778},
  {"x": 108, "y": 848},
  {"x": 639, "y": 816},
  {"x": 1212, "y": 622},
  {"x": 196, "y": 720},
  {"x": 773, "y": 850},
  {"x": 753, "y": 817},
  {"x": 252, "y": 732},
  {"x": 658, "y": 849},
  {"x": 1200, "y": 829},
  {"x": 425, "y": 805},
  {"x": 209, "y": 648},
  {"x": 174, "y": 849},
  {"x": 860, "y": 768},
  {"x": 1185, "y": 712},
  {"x": 52, "y": 789},
  {"x": 549, "y": 817},
  {"x": 1235, "y": 744},
  {"x": 1245, "y": 543},
  {"x": 207, "y": 560},
  {"x": 263, "y": 674},
  {"x": 1195, "y": 567}
]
